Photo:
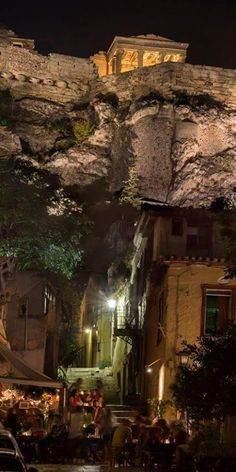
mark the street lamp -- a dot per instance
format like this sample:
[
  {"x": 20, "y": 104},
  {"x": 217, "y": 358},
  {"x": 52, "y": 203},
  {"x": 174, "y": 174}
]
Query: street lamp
[
  {"x": 183, "y": 357},
  {"x": 149, "y": 366},
  {"x": 111, "y": 303},
  {"x": 149, "y": 370}
]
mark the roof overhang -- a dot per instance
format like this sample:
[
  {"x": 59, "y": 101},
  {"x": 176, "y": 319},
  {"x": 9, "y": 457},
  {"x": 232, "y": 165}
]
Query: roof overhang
[{"x": 34, "y": 383}]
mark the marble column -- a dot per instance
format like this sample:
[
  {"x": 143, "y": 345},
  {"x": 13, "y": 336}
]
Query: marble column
[
  {"x": 119, "y": 55},
  {"x": 161, "y": 57},
  {"x": 113, "y": 66},
  {"x": 140, "y": 57}
]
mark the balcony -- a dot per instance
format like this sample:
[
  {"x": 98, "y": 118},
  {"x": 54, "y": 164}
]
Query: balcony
[{"x": 126, "y": 326}]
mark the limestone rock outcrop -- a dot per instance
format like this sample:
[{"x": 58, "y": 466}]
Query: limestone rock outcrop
[{"x": 175, "y": 124}]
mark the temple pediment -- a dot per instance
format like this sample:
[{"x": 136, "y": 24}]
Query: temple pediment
[{"x": 130, "y": 52}]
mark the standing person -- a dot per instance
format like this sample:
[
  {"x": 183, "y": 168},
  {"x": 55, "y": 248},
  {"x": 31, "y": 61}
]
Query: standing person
[
  {"x": 76, "y": 423},
  {"x": 100, "y": 390},
  {"x": 98, "y": 405},
  {"x": 106, "y": 429},
  {"x": 12, "y": 422}
]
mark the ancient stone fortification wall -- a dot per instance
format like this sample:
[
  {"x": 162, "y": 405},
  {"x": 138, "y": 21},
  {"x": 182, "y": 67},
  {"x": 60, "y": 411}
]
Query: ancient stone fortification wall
[
  {"x": 56, "y": 76},
  {"x": 168, "y": 78},
  {"x": 64, "y": 78}
]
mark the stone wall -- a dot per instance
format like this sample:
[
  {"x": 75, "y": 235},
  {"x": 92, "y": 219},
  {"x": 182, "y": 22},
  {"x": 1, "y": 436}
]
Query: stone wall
[
  {"x": 65, "y": 78},
  {"x": 57, "y": 77},
  {"x": 168, "y": 78}
]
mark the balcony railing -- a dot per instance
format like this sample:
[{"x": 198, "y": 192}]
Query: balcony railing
[{"x": 126, "y": 325}]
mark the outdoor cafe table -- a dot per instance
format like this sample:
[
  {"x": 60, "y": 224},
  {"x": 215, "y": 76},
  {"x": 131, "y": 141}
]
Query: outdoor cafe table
[
  {"x": 92, "y": 447},
  {"x": 162, "y": 454}
]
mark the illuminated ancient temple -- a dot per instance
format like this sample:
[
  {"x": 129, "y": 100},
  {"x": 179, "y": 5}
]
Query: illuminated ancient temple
[{"x": 128, "y": 53}]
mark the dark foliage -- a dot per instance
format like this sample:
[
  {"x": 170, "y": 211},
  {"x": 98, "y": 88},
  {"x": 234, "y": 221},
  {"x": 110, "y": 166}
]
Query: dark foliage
[
  {"x": 206, "y": 387},
  {"x": 39, "y": 224}
]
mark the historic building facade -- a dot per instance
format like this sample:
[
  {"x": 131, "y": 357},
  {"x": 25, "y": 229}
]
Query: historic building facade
[
  {"x": 29, "y": 321},
  {"x": 176, "y": 291},
  {"x": 95, "y": 330}
]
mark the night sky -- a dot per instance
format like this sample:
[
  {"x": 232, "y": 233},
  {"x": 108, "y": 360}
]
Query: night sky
[{"x": 80, "y": 27}]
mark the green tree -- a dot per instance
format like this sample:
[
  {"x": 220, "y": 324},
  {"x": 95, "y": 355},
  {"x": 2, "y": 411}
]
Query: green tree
[
  {"x": 158, "y": 407},
  {"x": 40, "y": 225},
  {"x": 205, "y": 388},
  {"x": 129, "y": 193}
]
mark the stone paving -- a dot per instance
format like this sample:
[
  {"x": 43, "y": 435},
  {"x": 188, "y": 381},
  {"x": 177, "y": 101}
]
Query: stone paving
[
  {"x": 66, "y": 468},
  {"x": 81, "y": 468}
]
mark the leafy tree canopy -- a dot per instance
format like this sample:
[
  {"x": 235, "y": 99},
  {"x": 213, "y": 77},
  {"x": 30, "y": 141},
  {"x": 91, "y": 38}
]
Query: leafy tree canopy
[
  {"x": 40, "y": 224},
  {"x": 206, "y": 387}
]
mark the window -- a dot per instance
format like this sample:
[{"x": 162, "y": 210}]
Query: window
[
  {"x": 23, "y": 307},
  {"x": 218, "y": 310},
  {"x": 199, "y": 237},
  {"x": 192, "y": 237},
  {"x": 177, "y": 226}
]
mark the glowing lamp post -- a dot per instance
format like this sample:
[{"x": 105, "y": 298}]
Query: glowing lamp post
[
  {"x": 148, "y": 370},
  {"x": 111, "y": 303},
  {"x": 183, "y": 357}
]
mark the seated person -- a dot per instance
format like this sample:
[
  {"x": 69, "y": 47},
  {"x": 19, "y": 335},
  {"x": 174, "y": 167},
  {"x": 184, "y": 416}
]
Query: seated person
[
  {"x": 59, "y": 428},
  {"x": 163, "y": 429},
  {"x": 121, "y": 436},
  {"x": 98, "y": 405},
  {"x": 88, "y": 399},
  {"x": 75, "y": 399},
  {"x": 136, "y": 427},
  {"x": 58, "y": 432}
]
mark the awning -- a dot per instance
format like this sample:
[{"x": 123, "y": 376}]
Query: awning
[
  {"x": 35, "y": 383},
  {"x": 30, "y": 375}
]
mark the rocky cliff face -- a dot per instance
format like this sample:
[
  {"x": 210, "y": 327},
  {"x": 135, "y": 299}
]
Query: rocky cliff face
[{"x": 182, "y": 145}]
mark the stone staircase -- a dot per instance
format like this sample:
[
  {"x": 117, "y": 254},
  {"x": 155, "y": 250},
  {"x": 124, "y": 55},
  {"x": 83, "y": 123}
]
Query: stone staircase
[
  {"x": 89, "y": 377},
  {"x": 123, "y": 412}
]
